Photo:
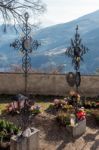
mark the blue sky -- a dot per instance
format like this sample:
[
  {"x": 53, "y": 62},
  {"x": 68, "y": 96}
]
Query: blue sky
[{"x": 61, "y": 11}]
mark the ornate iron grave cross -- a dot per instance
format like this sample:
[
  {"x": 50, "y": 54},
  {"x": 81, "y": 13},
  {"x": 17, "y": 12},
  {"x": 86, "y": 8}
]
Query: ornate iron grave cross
[
  {"x": 76, "y": 52},
  {"x": 26, "y": 45}
]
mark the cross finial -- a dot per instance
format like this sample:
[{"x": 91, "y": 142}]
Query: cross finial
[
  {"x": 77, "y": 34},
  {"x": 77, "y": 28},
  {"x": 26, "y": 16}
]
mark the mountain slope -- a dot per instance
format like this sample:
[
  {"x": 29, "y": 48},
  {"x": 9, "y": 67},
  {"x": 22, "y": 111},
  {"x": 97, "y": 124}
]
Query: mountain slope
[{"x": 54, "y": 41}]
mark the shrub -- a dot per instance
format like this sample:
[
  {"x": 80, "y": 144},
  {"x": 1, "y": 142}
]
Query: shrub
[
  {"x": 7, "y": 129},
  {"x": 89, "y": 112},
  {"x": 68, "y": 108},
  {"x": 51, "y": 107},
  {"x": 96, "y": 116},
  {"x": 63, "y": 118}
]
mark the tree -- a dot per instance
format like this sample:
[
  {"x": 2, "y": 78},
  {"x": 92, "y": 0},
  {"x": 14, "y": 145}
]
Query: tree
[
  {"x": 15, "y": 68},
  {"x": 12, "y": 10}
]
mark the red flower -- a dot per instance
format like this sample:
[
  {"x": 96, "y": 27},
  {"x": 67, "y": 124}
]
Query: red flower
[{"x": 81, "y": 115}]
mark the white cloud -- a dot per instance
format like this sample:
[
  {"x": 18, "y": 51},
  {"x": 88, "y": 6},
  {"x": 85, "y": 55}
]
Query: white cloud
[{"x": 59, "y": 11}]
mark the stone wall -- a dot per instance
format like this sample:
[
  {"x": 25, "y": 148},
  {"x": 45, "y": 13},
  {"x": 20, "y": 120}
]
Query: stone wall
[{"x": 46, "y": 84}]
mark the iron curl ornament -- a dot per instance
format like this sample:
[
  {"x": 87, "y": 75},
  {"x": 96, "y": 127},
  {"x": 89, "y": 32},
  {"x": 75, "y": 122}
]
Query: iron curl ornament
[
  {"x": 26, "y": 45},
  {"x": 76, "y": 52}
]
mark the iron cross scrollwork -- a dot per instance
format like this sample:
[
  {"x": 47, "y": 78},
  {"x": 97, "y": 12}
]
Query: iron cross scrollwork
[
  {"x": 26, "y": 45},
  {"x": 76, "y": 52}
]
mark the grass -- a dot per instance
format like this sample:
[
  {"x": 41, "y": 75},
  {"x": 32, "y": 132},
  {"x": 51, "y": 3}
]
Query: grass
[
  {"x": 89, "y": 111},
  {"x": 43, "y": 102},
  {"x": 43, "y": 105},
  {"x": 3, "y": 107},
  {"x": 4, "y": 101}
]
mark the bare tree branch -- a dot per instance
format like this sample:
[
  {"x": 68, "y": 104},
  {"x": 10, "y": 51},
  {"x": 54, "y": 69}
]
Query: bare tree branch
[{"x": 12, "y": 10}]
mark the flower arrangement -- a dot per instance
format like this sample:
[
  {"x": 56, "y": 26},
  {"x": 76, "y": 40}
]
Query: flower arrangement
[
  {"x": 59, "y": 103},
  {"x": 71, "y": 118},
  {"x": 74, "y": 98},
  {"x": 81, "y": 115},
  {"x": 16, "y": 107},
  {"x": 35, "y": 109}
]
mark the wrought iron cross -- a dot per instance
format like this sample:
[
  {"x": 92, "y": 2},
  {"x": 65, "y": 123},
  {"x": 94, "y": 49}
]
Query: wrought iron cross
[
  {"x": 76, "y": 52},
  {"x": 26, "y": 45}
]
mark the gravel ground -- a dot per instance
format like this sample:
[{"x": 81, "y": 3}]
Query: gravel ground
[{"x": 55, "y": 137}]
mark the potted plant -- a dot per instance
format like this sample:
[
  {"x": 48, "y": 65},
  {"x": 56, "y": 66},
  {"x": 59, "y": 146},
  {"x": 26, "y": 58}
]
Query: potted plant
[{"x": 7, "y": 129}]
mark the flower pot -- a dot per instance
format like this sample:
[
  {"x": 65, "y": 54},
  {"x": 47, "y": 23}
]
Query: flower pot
[
  {"x": 28, "y": 141},
  {"x": 78, "y": 129}
]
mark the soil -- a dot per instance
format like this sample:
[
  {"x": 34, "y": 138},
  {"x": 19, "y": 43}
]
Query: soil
[
  {"x": 4, "y": 145},
  {"x": 55, "y": 137}
]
